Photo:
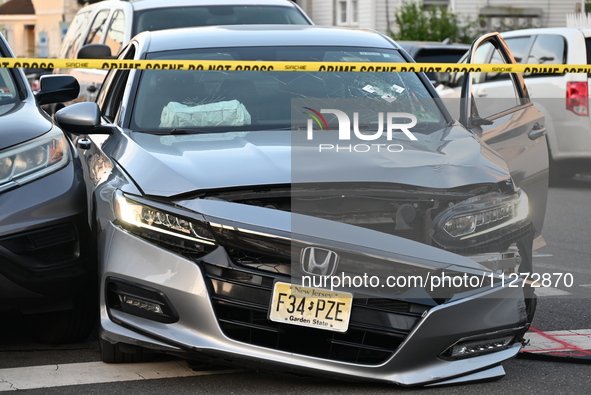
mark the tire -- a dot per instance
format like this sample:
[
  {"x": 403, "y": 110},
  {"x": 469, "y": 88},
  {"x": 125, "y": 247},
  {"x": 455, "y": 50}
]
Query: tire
[
  {"x": 123, "y": 353},
  {"x": 560, "y": 173},
  {"x": 525, "y": 247},
  {"x": 531, "y": 302},
  {"x": 69, "y": 326}
]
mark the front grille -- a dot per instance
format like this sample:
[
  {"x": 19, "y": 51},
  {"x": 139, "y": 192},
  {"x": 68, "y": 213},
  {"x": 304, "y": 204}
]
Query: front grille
[{"x": 241, "y": 298}]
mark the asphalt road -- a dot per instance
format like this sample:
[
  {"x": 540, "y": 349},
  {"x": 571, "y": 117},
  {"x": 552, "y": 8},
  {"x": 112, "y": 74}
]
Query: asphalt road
[{"x": 567, "y": 233}]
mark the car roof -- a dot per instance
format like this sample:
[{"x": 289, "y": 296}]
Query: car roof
[
  {"x": 261, "y": 35},
  {"x": 548, "y": 30},
  {"x": 146, "y": 4},
  {"x": 414, "y": 47},
  {"x": 429, "y": 44}
]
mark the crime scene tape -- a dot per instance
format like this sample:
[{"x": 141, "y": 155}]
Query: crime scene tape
[{"x": 238, "y": 65}]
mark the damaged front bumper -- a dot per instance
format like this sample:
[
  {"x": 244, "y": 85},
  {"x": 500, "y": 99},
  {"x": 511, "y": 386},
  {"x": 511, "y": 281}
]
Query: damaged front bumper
[{"x": 218, "y": 307}]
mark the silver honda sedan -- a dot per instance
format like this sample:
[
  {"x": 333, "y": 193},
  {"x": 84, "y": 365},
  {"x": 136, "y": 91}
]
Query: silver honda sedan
[{"x": 309, "y": 216}]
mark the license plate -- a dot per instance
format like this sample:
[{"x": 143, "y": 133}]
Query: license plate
[{"x": 311, "y": 307}]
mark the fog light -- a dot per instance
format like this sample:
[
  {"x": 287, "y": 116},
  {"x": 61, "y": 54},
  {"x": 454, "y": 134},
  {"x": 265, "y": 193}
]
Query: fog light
[
  {"x": 141, "y": 304},
  {"x": 138, "y": 300},
  {"x": 478, "y": 347}
]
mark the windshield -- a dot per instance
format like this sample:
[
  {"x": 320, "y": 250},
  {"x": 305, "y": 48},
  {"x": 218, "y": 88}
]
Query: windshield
[
  {"x": 254, "y": 100},
  {"x": 173, "y": 17},
  {"x": 8, "y": 90}
]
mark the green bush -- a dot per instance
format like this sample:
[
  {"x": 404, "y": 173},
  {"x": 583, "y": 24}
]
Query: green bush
[{"x": 415, "y": 23}]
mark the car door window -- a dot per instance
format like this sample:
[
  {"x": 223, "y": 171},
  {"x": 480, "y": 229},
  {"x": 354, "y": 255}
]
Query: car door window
[
  {"x": 74, "y": 35},
  {"x": 518, "y": 47},
  {"x": 8, "y": 91},
  {"x": 482, "y": 56},
  {"x": 116, "y": 32},
  {"x": 547, "y": 49},
  {"x": 486, "y": 106},
  {"x": 97, "y": 30},
  {"x": 111, "y": 93}
]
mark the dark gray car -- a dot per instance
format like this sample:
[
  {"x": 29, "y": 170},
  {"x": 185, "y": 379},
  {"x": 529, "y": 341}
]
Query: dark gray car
[
  {"x": 47, "y": 265},
  {"x": 434, "y": 52},
  {"x": 228, "y": 203}
]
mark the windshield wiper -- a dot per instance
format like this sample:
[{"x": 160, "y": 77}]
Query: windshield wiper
[
  {"x": 189, "y": 131},
  {"x": 226, "y": 129},
  {"x": 175, "y": 132}
]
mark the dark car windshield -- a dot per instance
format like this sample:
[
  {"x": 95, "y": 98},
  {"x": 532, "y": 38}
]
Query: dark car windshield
[
  {"x": 173, "y": 17},
  {"x": 8, "y": 90},
  {"x": 251, "y": 100}
]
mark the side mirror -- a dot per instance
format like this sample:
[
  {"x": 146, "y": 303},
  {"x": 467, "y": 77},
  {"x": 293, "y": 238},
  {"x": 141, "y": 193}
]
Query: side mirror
[
  {"x": 95, "y": 51},
  {"x": 57, "y": 89},
  {"x": 81, "y": 118}
]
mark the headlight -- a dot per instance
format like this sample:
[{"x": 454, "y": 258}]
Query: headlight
[
  {"x": 480, "y": 215},
  {"x": 183, "y": 235},
  {"x": 34, "y": 159}
]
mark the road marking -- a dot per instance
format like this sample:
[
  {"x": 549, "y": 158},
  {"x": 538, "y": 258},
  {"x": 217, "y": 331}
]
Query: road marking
[
  {"x": 94, "y": 372},
  {"x": 549, "y": 291},
  {"x": 534, "y": 283},
  {"x": 568, "y": 342},
  {"x": 541, "y": 255}
]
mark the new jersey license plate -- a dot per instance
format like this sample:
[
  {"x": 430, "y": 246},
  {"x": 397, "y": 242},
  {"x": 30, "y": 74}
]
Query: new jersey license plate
[{"x": 311, "y": 307}]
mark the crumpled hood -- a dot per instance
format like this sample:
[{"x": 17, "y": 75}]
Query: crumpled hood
[
  {"x": 21, "y": 123},
  {"x": 331, "y": 234},
  {"x": 173, "y": 165}
]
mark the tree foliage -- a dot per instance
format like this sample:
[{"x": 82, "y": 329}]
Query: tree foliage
[{"x": 416, "y": 23}]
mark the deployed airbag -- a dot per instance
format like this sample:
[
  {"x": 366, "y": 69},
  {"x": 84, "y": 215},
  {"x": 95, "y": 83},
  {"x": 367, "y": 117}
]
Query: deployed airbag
[{"x": 224, "y": 113}]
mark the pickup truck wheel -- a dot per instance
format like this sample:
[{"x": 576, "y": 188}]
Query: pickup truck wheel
[{"x": 560, "y": 173}]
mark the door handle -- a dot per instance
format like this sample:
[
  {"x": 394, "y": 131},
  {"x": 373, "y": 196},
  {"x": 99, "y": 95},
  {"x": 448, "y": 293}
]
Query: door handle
[{"x": 537, "y": 131}]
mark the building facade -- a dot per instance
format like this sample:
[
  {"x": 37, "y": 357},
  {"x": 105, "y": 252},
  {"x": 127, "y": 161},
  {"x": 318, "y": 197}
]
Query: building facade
[
  {"x": 491, "y": 15},
  {"x": 35, "y": 28}
]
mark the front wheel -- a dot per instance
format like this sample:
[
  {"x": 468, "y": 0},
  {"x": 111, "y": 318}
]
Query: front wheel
[
  {"x": 68, "y": 326},
  {"x": 123, "y": 353}
]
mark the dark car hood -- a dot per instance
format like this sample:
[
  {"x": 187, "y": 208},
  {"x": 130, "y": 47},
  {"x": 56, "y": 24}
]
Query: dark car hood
[
  {"x": 21, "y": 122},
  {"x": 173, "y": 165}
]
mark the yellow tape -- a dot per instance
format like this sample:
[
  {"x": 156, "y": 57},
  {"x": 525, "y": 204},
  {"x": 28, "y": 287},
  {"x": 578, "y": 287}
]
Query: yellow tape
[{"x": 288, "y": 66}]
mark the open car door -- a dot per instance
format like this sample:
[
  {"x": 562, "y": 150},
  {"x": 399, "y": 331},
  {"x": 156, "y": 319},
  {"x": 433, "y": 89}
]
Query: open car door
[{"x": 512, "y": 126}]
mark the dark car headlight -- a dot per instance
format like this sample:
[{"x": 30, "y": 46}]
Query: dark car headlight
[
  {"x": 34, "y": 159},
  {"x": 480, "y": 215},
  {"x": 186, "y": 236}
]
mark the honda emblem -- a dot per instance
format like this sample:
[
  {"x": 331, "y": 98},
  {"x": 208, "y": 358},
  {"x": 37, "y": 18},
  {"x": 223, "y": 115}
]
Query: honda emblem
[{"x": 319, "y": 261}]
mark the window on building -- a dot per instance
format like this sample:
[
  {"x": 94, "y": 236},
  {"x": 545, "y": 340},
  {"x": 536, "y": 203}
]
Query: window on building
[
  {"x": 347, "y": 12},
  {"x": 435, "y": 4}
]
